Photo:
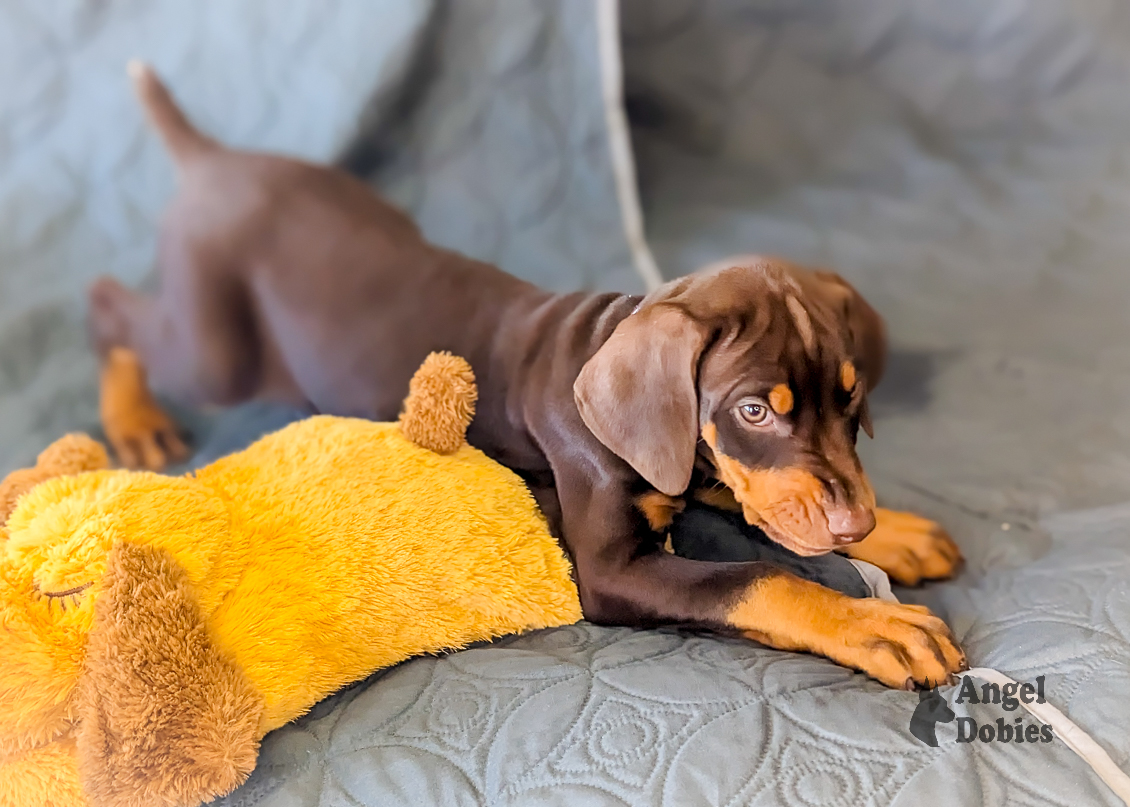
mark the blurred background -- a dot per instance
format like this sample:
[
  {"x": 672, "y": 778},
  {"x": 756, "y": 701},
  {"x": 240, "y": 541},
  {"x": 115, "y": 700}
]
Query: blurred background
[{"x": 965, "y": 163}]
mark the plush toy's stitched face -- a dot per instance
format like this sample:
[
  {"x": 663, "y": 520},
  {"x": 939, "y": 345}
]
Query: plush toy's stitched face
[
  {"x": 47, "y": 571},
  {"x": 51, "y": 567}
]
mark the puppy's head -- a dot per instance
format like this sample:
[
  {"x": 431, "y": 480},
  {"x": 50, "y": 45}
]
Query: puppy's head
[{"x": 761, "y": 369}]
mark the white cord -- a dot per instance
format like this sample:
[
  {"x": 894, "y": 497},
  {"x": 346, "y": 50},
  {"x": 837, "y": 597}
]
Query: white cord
[
  {"x": 623, "y": 165},
  {"x": 620, "y": 143},
  {"x": 1074, "y": 737}
]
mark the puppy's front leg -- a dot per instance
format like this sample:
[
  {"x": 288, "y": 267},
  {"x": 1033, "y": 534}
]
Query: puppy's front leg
[
  {"x": 625, "y": 579},
  {"x": 899, "y": 645},
  {"x": 908, "y": 547}
]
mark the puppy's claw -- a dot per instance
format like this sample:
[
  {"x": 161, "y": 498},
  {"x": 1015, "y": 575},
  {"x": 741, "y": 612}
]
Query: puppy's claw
[
  {"x": 899, "y": 646},
  {"x": 152, "y": 447}
]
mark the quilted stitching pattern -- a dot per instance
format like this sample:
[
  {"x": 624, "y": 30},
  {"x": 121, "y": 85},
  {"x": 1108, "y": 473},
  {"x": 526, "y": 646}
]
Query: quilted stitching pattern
[
  {"x": 82, "y": 181},
  {"x": 601, "y": 716},
  {"x": 504, "y": 155},
  {"x": 916, "y": 145}
]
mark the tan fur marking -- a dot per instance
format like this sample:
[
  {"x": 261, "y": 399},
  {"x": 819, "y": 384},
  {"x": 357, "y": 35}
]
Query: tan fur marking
[
  {"x": 893, "y": 643},
  {"x": 138, "y": 429},
  {"x": 719, "y": 496},
  {"x": 157, "y": 698},
  {"x": 784, "y": 502},
  {"x": 908, "y": 548},
  {"x": 847, "y": 375},
  {"x": 781, "y": 399},
  {"x": 659, "y": 509},
  {"x": 440, "y": 403},
  {"x": 803, "y": 324}
]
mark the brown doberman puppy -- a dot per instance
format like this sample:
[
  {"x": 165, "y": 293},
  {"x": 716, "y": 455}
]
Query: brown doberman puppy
[{"x": 293, "y": 281}]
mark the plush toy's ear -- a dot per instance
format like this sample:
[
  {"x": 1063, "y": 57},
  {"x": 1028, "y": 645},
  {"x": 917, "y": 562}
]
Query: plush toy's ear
[
  {"x": 73, "y": 454},
  {"x": 70, "y": 454},
  {"x": 164, "y": 718},
  {"x": 440, "y": 403}
]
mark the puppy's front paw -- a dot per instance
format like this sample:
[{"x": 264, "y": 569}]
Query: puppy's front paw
[
  {"x": 908, "y": 548},
  {"x": 138, "y": 429},
  {"x": 899, "y": 645}
]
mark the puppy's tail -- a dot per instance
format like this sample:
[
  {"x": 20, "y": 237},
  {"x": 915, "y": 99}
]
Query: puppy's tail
[{"x": 184, "y": 141}]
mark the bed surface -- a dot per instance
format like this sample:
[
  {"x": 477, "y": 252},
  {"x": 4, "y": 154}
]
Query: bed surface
[{"x": 965, "y": 165}]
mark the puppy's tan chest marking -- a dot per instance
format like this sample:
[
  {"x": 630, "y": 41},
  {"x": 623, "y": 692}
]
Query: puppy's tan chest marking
[
  {"x": 720, "y": 496},
  {"x": 659, "y": 509}
]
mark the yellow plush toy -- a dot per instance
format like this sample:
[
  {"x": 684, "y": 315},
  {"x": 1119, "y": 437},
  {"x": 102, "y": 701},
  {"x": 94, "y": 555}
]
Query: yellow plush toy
[{"x": 155, "y": 628}]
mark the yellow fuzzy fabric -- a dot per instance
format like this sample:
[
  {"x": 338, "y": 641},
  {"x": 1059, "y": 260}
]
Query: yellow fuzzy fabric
[
  {"x": 432, "y": 552},
  {"x": 42, "y": 777},
  {"x": 321, "y": 553}
]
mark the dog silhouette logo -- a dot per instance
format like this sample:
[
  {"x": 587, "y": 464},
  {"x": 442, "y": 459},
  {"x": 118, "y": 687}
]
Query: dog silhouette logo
[{"x": 931, "y": 710}]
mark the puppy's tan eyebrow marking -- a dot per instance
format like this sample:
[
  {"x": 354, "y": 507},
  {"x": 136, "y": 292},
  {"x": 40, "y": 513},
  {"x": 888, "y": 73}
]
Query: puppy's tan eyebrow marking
[
  {"x": 803, "y": 324},
  {"x": 781, "y": 399},
  {"x": 847, "y": 375}
]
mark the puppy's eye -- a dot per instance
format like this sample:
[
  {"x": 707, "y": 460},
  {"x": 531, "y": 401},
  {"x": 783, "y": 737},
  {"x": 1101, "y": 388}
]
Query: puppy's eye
[{"x": 754, "y": 413}]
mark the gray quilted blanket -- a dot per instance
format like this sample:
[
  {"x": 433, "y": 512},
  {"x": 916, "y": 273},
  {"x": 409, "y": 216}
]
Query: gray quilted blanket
[{"x": 966, "y": 164}]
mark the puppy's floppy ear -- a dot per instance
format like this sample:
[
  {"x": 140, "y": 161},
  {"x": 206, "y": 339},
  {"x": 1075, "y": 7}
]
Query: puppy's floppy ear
[
  {"x": 639, "y": 395},
  {"x": 164, "y": 718},
  {"x": 867, "y": 329}
]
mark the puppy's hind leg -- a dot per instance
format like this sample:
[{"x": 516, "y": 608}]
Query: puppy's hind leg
[{"x": 137, "y": 428}]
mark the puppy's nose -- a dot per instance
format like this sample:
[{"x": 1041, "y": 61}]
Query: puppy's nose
[{"x": 850, "y": 524}]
